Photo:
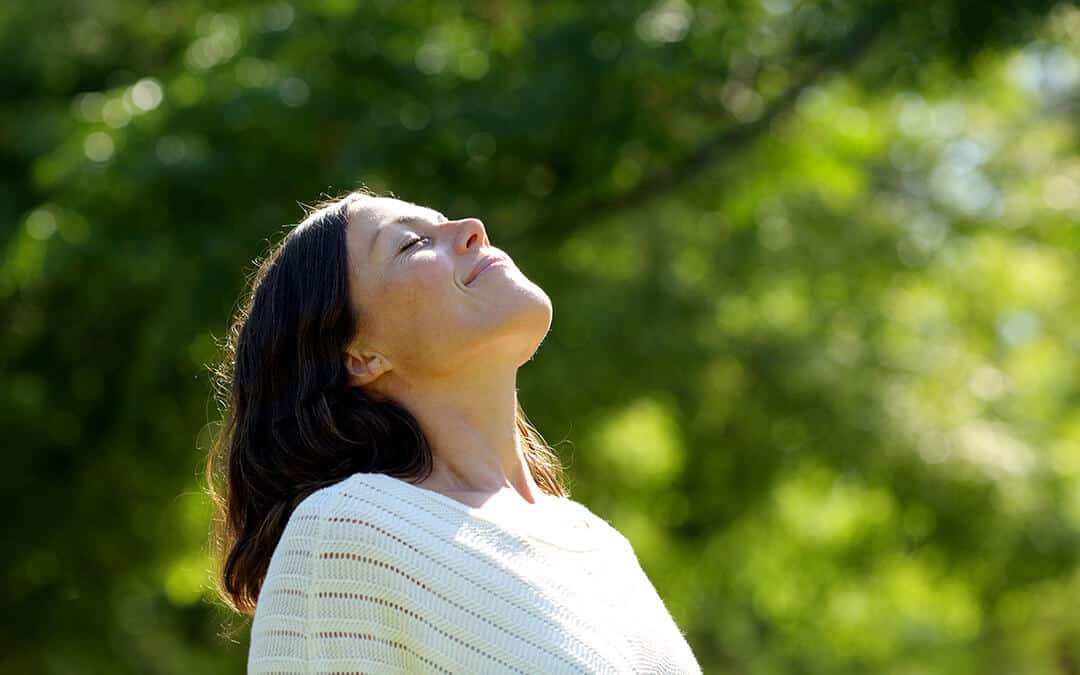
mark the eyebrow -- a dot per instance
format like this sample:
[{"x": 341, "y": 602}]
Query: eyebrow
[{"x": 400, "y": 220}]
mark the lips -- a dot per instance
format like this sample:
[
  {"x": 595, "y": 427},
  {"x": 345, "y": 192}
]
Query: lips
[{"x": 485, "y": 262}]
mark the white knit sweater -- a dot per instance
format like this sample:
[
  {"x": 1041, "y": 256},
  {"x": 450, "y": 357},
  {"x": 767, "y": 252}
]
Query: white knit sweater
[{"x": 375, "y": 575}]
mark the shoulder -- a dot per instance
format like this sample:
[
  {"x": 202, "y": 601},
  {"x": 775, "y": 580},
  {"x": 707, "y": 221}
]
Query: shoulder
[
  {"x": 598, "y": 524},
  {"x": 359, "y": 495},
  {"x": 365, "y": 512},
  {"x": 339, "y": 502}
]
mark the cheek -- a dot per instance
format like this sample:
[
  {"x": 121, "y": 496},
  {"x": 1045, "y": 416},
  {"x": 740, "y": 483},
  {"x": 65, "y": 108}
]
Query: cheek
[
  {"x": 423, "y": 298},
  {"x": 427, "y": 281}
]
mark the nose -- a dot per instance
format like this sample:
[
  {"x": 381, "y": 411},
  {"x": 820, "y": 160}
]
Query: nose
[{"x": 472, "y": 235}]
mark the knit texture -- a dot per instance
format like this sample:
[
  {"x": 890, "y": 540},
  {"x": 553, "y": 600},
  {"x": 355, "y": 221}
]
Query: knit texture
[{"x": 375, "y": 575}]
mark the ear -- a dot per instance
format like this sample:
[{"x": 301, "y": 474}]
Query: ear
[{"x": 364, "y": 368}]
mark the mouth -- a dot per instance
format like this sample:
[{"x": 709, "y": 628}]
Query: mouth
[{"x": 485, "y": 262}]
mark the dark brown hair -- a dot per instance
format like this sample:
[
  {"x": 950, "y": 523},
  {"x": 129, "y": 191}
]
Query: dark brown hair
[{"x": 291, "y": 422}]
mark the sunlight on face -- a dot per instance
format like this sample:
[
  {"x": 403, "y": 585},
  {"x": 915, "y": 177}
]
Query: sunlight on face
[{"x": 408, "y": 268}]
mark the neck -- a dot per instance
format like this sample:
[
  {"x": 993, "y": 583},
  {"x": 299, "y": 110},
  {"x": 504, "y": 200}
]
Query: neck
[{"x": 471, "y": 426}]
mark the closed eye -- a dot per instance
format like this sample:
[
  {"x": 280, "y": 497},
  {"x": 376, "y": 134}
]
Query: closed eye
[{"x": 409, "y": 245}]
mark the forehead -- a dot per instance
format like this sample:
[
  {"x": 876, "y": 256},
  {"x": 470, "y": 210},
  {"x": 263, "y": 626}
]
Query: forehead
[{"x": 374, "y": 212}]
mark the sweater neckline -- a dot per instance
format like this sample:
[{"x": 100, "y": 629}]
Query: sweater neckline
[{"x": 561, "y": 522}]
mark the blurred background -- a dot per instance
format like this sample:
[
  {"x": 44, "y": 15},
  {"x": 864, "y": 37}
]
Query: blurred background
[{"x": 815, "y": 269}]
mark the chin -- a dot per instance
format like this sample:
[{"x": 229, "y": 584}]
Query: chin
[
  {"x": 535, "y": 301},
  {"x": 538, "y": 324},
  {"x": 523, "y": 323}
]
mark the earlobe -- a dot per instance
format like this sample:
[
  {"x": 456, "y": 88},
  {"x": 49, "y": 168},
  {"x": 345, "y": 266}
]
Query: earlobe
[{"x": 364, "y": 369}]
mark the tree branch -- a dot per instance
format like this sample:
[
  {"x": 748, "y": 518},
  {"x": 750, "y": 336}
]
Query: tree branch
[{"x": 704, "y": 157}]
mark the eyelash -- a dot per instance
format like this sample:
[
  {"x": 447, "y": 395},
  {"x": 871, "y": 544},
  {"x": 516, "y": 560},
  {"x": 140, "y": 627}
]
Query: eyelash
[{"x": 409, "y": 245}]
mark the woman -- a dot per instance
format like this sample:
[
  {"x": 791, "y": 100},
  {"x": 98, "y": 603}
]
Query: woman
[{"x": 384, "y": 505}]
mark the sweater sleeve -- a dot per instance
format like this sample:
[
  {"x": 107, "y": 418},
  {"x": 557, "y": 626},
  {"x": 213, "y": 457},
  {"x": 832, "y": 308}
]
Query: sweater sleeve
[
  {"x": 338, "y": 600},
  {"x": 280, "y": 639}
]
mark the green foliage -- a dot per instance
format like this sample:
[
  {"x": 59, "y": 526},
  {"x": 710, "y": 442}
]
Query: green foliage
[{"x": 814, "y": 265}]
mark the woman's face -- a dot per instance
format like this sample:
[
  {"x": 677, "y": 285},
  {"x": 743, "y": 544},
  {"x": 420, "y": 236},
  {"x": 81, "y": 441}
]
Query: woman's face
[{"x": 408, "y": 273}]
